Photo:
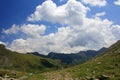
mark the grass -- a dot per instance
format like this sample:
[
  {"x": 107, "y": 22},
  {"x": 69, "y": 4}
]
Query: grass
[
  {"x": 105, "y": 66},
  {"x": 13, "y": 74},
  {"x": 24, "y": 62}
]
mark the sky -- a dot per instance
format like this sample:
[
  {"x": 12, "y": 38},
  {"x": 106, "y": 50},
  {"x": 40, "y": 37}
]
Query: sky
[{"x": 64, "y": 26}]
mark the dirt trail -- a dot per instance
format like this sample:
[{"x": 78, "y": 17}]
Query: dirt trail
[{"x": 58, "y": 76}]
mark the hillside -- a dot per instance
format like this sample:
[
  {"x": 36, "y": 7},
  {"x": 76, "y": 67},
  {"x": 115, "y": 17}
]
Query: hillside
[
  {"x": 10, "y": 60},
  {"x": 105, "y": 66},
  {"x": 72, "y": 59}
]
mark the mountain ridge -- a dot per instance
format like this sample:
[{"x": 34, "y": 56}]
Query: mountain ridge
[
  {"x": 72, "y": 58},
  {"x": 105, "y": 66}
]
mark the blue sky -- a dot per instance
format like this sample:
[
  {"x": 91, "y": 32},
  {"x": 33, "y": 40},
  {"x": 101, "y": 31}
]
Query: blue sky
[
  {"x": 16, "y": 11},
  {"x": 59, "y": 25}
]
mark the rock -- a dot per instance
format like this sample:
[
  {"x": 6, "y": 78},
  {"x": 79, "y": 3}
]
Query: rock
[
  {"x": 99, "y": 63},
  {"x": 96, "y": 79},
  {"x": 6, "y": 76},
  {"x": 103, "y": 77}
]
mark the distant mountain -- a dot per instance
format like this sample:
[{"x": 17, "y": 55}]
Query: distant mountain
[
  {"x": 37, "y": 54},
  {"x": 24, "y": 62},
  {"x": 73, "y": 58}
]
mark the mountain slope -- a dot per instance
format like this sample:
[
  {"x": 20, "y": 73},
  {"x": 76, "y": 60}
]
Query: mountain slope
[
  {"x": 73, "y": 58},
  {"x": 24, "y": 62},
  {"x": 104, "y": 67}
]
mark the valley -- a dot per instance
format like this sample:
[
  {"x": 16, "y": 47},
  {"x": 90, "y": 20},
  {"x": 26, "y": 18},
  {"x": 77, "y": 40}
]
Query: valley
[{"x": 104, "y": 66}]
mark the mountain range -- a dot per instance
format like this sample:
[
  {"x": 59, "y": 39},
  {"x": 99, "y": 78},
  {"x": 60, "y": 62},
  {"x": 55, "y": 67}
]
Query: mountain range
[
  {"x": 101, "y": 66},
  {"x": 72, "y": 59},
  {"x": 105, "y": 66}
]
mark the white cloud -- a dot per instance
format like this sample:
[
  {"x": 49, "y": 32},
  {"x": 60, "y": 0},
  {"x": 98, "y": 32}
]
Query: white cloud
[
  {"x": 100, "y": 14},
  {"x": 99, "y": 3},
  {"x": 2, "y": 43},
  {"x": 20, "y": 45},
  {"x": 57, "y": 42},
  {"x": 61, "y": 0},
  {"x": 70, "y": 13},
  {"x": 117, "y": 2},
  {"x": 81, "y": 33},
  {"x": 32, "y": 30},
  {"x": 116, "y": 31},
  {"x": 13, "y": 30},
  {"x": 93, "y": 34}
]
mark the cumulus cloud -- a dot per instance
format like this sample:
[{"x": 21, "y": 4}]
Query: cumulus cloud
[
  {"x": 13, "y": 30},
  {"x": 32, "y": 30},
  {"x": 93, "y": 34},
  {"x": 80, "y": 33},
  {"x": 56, "y": 42},
  {"x": 116, "y": 31},
  {"x": 117, "y": 2},
  {"x": 70, "y": 13},
  {"x": 99, "y": 3},
  {"x": 19, "y": 45}
]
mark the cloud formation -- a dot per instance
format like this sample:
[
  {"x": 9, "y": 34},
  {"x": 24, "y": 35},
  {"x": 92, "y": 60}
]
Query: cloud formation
[
  {"x": 117, "y": 2},
  {"x": 72, "y": 12},
  {"x": 13, "y": 30},
  {"x": 32, "y": 30},
  {"x": 99, "y": 3},
  {"x": 100, "y": 14},
  {"x": 80, "y": 32},
  {"x": 116, "y": 30}
]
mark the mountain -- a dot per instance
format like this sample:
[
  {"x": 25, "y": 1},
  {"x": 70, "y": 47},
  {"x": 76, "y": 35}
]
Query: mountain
[
  {"x": 106, "y": 66},
  {"x": 10, "y": 60},
  {"x": 37, "y": 54},
  {"x": 73, "y": 58}
]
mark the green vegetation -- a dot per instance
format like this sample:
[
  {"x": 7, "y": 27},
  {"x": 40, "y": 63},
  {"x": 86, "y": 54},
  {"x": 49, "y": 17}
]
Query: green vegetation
[
  {"x": 13, "y": 74},
  {"x": 72, "y": 59},
  {"x": 10, "y": 60},
  {"x": 105, "y": 66}
]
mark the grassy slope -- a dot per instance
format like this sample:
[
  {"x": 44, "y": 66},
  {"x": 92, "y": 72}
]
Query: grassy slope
[
  {"x": 24, "y": 62},
  {"x": 106, "y": 66}
]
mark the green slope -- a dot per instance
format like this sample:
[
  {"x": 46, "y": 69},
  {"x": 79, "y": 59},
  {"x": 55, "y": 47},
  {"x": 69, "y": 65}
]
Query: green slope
[
  {"x": 24, "y": 62},
  {"x": 104, "y": 67}
]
